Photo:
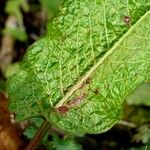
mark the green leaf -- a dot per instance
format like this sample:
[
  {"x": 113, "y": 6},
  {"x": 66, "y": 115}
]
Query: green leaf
[
  {"x": 51, "y": 5},
  {"x": 66, "y": 144},
  {"x": 140, "y": 96},
  {"x": 90, "y": 56},
  {"x": 2, "y": 86},
  {"x": 35, "y": 125},
  {"x": 11, "y": 70},
  {"x": 13, "y": 8},
  {"x": 17, "y": 33},
  {"x": 143, "y": 134}
]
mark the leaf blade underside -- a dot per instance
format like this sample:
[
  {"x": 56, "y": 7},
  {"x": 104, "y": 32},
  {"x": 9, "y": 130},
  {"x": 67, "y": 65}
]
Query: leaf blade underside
[{"x": 55, "y": 67}]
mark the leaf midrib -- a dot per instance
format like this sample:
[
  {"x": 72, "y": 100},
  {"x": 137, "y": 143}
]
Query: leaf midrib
[{"x": 101, "y": 60}]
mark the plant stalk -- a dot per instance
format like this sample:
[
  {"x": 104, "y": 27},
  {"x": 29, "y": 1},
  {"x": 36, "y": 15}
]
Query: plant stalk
[{"x": 34, "y": 143}]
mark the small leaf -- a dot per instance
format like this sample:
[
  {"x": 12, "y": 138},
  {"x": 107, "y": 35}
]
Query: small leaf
[
  {"x": 35, "y": 125},
  {"x": 65, "y": 144},
  {"x": 140, "y": 96},
  {"x": 51, "y": 5},
  {"x": 143, "y": 134},
  {"x": 11, "y": 70},
  {"x": 16, "y": 33},
  {"x": 13, "y": 8},
  {"x": 89, "y": 50}
]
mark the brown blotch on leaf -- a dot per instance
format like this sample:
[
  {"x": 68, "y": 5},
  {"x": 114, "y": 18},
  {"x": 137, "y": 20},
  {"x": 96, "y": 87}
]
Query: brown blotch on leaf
[
  {"x": 96, "y": 91},
  {"x": 107, "y": 85},
  {"x": 76, "y": 101},
  {"x": 81, "y": 86},
  {"x": 127, "y": 19},
  {"x": 88, "y": 81},
  {"x": 62, "y": 110}
]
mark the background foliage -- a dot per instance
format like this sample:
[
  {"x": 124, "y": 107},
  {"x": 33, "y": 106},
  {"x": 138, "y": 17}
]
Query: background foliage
[{"x": 136, "y": 112}]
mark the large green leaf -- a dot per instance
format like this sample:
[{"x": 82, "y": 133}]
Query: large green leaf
[{"x": 91, "y": 56}]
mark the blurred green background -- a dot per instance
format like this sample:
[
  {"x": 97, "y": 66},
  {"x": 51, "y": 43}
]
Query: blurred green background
[{"x": 22, "y": 22}]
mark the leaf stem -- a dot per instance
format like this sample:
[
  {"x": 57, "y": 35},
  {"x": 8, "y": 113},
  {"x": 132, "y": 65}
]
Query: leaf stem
[{"x": 34, "y": 143}]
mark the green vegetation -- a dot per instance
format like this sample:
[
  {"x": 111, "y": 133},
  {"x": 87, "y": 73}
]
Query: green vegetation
[
  {"x": 86, "y": 73},
  {"x": 56, "y": 66}
]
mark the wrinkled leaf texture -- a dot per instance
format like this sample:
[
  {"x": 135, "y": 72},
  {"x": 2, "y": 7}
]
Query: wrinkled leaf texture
[{"x": 88, "y": 40}]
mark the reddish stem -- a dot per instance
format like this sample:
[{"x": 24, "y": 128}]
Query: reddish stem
[{"x": 34, "y": 143}]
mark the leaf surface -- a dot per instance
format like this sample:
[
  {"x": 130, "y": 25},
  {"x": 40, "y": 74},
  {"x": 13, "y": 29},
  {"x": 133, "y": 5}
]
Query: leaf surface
[{"x": 89, "y": 62}]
